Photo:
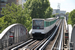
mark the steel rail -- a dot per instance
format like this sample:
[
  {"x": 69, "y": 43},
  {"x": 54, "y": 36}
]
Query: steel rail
[
  {"x": 41, "y": 44},
  {"x": 25, "y": 47},
  {"x": 22, "y": 44},
  {"x": 45, "y": 44},
  {"x": 37, "y": 45},
  {"x": 56, "y": 38},
  {"x": 61, "y": 39}
]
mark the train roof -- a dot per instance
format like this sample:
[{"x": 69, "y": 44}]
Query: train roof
[
  {"x": 43, "y": 18},
  {"x": 38, "y": 19},
  {"x": 50, "y": 18}
]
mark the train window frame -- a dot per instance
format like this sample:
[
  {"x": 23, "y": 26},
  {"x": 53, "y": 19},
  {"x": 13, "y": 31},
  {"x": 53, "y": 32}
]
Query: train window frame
[{"x": 38, "y": 26}]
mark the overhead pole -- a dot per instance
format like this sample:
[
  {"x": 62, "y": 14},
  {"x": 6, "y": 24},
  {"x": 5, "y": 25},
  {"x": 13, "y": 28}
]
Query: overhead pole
[{"x": 58, "y": 6}]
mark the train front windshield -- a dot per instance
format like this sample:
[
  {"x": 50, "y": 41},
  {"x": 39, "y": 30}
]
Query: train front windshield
[{"x": 38, "y": 24}]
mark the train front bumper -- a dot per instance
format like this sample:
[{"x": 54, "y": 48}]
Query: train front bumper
[{"x": 38, "y": 36}]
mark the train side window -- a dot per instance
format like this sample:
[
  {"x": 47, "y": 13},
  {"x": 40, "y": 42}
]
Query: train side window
[
  {"x": 46, "y": 24},
  {"x": 49, "y": 23}
]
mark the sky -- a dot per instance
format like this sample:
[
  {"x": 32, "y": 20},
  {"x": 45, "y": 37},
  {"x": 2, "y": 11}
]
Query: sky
[{"x": 66, "y": 5}]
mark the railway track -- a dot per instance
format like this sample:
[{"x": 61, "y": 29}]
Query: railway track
[
  {"x": 37, "y": 44},
  {"x": 53, "y": 44}
]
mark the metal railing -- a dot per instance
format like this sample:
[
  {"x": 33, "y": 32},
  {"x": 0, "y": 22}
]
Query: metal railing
[{"x": 61, "y": 40}]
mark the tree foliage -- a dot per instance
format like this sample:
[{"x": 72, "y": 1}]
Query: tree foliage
[
  {"x": 71, "y": 18},
  {"x": 2, "y": 24},
  {"x": 38, "y": 8},
  {"x": 53, "y": 15},
  {"x": 67, "y": 13},
  {"x": 31, "y": 9},
  {"x": 15, "y": 14}
]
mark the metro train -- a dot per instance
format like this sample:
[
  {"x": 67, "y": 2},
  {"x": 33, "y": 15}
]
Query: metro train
[{"x": 40, "y": 27}]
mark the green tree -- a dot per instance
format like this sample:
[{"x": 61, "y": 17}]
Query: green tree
[
  {"x": 38, "y": 8},
  {"x": 48, "y": 12},
  {"x": 3, "y": 24},
  {"x": 67, "y": 13},
  {"x": 53, "y": 15},
  {"x": 15, "y": 14},
  {"x": 71, "y": 19}
]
